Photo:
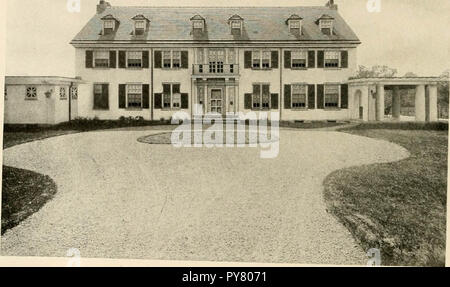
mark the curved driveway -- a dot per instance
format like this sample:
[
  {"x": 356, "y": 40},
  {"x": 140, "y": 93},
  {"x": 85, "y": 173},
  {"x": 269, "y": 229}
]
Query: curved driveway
[{"x": 119, "y": 198}]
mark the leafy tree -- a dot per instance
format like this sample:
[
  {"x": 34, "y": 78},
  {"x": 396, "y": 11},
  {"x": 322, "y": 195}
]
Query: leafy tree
[
  {"x": 443, "y": 94},
  {"x": 376, "y": 71}
]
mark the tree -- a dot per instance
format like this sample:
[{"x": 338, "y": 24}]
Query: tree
[
  {"x": 410, "y": 75},
  {"x": 376, "y": 71},
  {"x": 443, "y": 94}
]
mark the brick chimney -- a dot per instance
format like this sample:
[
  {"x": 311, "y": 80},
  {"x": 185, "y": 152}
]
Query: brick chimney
[
  {"x": 330, "y": 4},
  {"x": 102, "y": 6}
]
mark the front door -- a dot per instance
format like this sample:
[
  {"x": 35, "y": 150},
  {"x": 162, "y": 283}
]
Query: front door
[{"x": 216, "y": 102}]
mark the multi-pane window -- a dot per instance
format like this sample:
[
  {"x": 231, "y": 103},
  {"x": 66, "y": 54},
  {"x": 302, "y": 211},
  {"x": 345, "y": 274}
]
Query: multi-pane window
[
  {"x": 266, "y": 59},
  {"x": 299, "y": 58},
  {"x": 261, "y": 59},
  {"x": 294, "y": 25},
  {"x": 101, "y": 59},
  {"x": 216, "y": 59},
  {"x": 140, "y": 27},
  {"x": 167, "y": 59},
  {"x": 74, "y": 92},
  {"x": 171, "y": 96},
  {"x": 261, "y": 96},
  {"x": 332, "y": 96},
  {"x": 101, "y": 97},
  {"x": 134, "y": 59},
  {"x": 62, "y": 93},
  {"x": 298, "y": 96},
  {"x": 176, "y": 59},
  {"x": 326, "y": 26},
  {"x": 256, "y": 61},
  {"x": 332, "y": 59},
  {"x": 108, "y": 27},
  {"x": 220, "y": 60},
  {"x": 31, "y": 93},
  {"x": 134, "y": 96},
  {"x": 236, "y": 25},
  {"x": 198, "y": 24}
]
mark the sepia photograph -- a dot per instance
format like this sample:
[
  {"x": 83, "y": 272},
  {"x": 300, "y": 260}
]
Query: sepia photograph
[{"x": 213, "y": 133}]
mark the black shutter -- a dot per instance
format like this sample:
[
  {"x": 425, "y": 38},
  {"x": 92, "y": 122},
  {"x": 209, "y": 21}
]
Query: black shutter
[
  {"x": 344, "y": 59},
  {"x": 274, "y": 101},
  {"x": 112, "y": 59},
  {"x": 320, "y": 59},
  {"x": 247, "y": 59},
  {"x": 158, "y": 60},
  {"x": 122, "y": 96},
  {"x": 158, "y": 101},
  {"x": 185, "y": 101},
  {"x": 287, "y": 96},
  {"x": 320, "y": 97},
  {"x": 287, "y": 59},
  {"x": 344, "y": 96},
  {"x": 311, "y": 97},
  {"x": 145, "y": 60},
  {"x": 146, "y": 96},
  {"x": 105, "y": 97},
  {"x": 311, "y": 59},
  {"x": 248, "y": 101},
  {"x": 122, "y": 59},
  {"x": 184, "y": 59},
  {"x": 274, "y": 58},
  {"x": 89, "y": 59}
]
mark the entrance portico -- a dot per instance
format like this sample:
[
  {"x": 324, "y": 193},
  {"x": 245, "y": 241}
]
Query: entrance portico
[{"x": 369, "y": 97}]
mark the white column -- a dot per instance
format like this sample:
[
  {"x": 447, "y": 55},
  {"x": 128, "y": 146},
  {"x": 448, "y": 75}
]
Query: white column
[
  {"x": 396, "y": 103},
  {"x": 380, "y": 103},
  {"x": 432, "y": 96},
  {"x": 420, "y": 103}
]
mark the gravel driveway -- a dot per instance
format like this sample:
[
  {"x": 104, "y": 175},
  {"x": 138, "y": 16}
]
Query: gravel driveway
[{"x": 119, "y": 198}]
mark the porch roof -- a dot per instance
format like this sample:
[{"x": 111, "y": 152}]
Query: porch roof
[{"x": 395, "y": 81}]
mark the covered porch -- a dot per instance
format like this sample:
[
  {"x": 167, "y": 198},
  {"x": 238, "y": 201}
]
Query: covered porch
[{"x": 368, "y": 98}]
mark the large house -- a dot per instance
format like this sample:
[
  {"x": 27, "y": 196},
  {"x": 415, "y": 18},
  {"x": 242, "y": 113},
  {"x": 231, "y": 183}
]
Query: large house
[{"x": 151, "y": 62}]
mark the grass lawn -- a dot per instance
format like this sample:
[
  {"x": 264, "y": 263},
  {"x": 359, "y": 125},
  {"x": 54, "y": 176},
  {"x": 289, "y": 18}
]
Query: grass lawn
[{"x": 397, "y": 207}]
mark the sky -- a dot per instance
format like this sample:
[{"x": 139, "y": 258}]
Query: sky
[{"x": 409, "y": 35}]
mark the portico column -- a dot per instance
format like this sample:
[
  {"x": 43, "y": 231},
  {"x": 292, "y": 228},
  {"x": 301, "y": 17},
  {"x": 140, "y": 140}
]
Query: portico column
[
  {"x": 380, "y": 102},
  {"x": 432, "y": 97},
  {"x": 420, "y": 103},
  {"x": 396, "y": 103}
]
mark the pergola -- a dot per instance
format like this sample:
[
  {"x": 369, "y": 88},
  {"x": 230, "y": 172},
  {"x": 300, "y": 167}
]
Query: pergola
[{"x": 368, "y": 97}]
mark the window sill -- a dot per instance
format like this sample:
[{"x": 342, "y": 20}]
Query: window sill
[
  {"x": 262, "y": 69},
  {"x": 100, "y": 109},
  {"x": 134, "y": 109},
  {"x": 332, "y": 68},
  {"x": 299, "y": 109},
  {"x": 172, "y": 69},
  {"x": 101, "y": 68},
  {"x": 332, "y": 109},
  {"x": 135, "y": 68},
  {"x": 171, "y": 109},
  {"x": 299, "y": 68}
]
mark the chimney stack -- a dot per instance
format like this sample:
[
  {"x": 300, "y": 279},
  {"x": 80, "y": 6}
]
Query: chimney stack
[
  {"x": 330, "y": 4},
  {"x": 102, "y": 6}
]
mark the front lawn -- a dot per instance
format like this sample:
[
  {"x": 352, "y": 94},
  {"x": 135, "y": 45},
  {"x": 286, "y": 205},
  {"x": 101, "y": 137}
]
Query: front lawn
[{"x": 397, "y": 207}]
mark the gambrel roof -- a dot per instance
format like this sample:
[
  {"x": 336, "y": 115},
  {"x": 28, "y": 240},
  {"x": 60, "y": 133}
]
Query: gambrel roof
[{"x": 260, "y": 24}]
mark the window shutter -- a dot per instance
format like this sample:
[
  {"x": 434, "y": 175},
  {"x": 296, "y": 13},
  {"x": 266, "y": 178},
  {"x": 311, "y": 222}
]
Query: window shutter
[
  {"x": 248, "y": 59},
  {"x": 311, "y": 59},
  {"x": 320, "y": 97},
  {"x": 184, "y": 59},
  {"x": 311, "y": 97},
  {"x": 158, "y": 101},
  {"x": 158, "y": 60},
  {"x": 320, "y": 59},
  {"x": 287, "y": 96},
  {"x": 175, "y": 89},
  {"x": 344, "y": 96},
  {"x": 122, "y": 59},
  {"x": 146, "y": 96},
  {"x": 274, "y": 101},
  {"x": 185, "y": 101},
  {"x": 89, "y": 59},
  {"x": 112, "y": 59},
  {"x": 248, "y": 101},
  {"x": 344, "y": 59},
  {"x": 122, "y": 96},
  {"x": 287, "y": 59},
  {"x": 145, "y": 60},
  {"x": 105, "y": 96},
  {"x": 274, "y": 58}
]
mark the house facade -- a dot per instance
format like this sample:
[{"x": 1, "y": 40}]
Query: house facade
[{"x": 153, "y": 62}]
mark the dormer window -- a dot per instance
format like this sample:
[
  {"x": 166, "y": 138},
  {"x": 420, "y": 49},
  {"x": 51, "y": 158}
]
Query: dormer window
[
  {"x": 326, "y": 24},
  {"x": 198, "y": 23},
  {"x": 109, "y": 24},
  {"x": 236, "y": 24},
  {"x": 140, "y": 25},
  {"x": 295, "y": 24}
]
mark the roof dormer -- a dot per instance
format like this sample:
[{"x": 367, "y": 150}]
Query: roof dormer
[
  {"x": 236, "y": 23},
  {"x": 295, "y": 24},
  {"x": 140, "y": 24},
  {"x": 326, "y": 23},
  {"x": 110, "y": 24},
  {"x": 198, "y": 23}
]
